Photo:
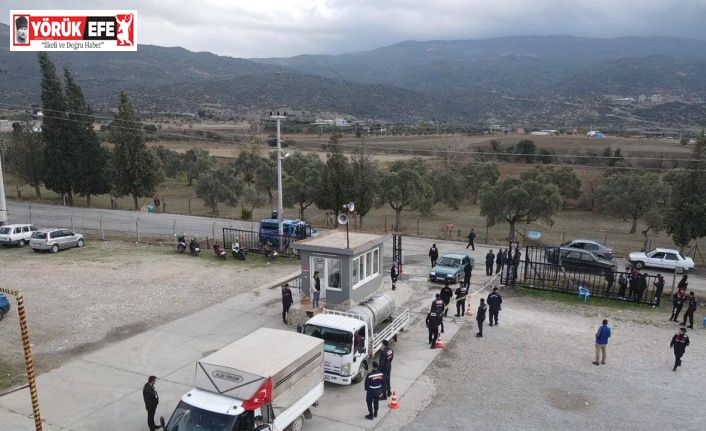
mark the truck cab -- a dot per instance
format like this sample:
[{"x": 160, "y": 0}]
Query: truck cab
[{"x": 344, "y": 361}]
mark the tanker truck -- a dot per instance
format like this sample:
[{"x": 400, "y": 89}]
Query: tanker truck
[
  {"x": 276, "y": 374},
  {"x": 353, "y": 338}
]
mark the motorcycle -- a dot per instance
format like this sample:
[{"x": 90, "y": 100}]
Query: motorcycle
[
  {"x": 194, "y": 247},
  {"x": 238, "y": 252},
  {"x": 220, "y": 252},
  {"x": 271, "y": 252},
  {"x": 181, "y": 243}
]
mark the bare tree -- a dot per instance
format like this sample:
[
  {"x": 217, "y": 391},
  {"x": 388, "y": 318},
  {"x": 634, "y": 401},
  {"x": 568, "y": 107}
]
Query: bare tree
[
  {"x": 453, "y": 151},
  {"x": 256, "y": 128},
  {"x": 590, "y": 183}
]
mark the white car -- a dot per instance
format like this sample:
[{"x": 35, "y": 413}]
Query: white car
[
  {"x": 16, "y": 234},
  {"x": 662, "y": 258}
]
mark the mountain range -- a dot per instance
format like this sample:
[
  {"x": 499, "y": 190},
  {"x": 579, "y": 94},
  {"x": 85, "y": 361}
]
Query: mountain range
[{"x": 550, "y": 81}]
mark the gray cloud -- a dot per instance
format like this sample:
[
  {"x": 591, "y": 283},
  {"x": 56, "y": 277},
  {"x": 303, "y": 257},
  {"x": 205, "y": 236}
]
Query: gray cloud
[{"x": 285, "y": 28}]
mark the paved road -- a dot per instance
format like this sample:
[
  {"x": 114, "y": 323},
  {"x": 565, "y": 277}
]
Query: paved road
[{"x": 161, "y": 225}]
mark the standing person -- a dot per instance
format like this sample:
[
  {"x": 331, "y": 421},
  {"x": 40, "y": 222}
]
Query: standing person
[
  {"x": 393, "y": 275},
  {"x": 287, "y": 301},
  {"x": 480, "y": 317},
  {"x": 690, "y": 309},
  {"x": 602, "y": 342},
  {"x": 437, "y": 306},
  {"x": 317, "y": 290},
  {"x": 433, "y": 255},
  {"x": 385, "y": 364},
  {"x": 632, "y": 282},
  {"x": 260, "y": 424},
  {"x": 499, "y": 260},
  {"x": 641, "y": 287},
  {"x": 623, "y": 283},
  {"x": 461, "y": 294},
  {"x": 494, "y": 300},
  {"x": 659, "y": 287},
  {"x": 374, "y": 382},
  {"x": 467, "y": 270},
  {"x": 610, "y": 279},
  {"x": 149, "y": 394},
  {"x": 432, "y": 322},
  {"x": 683, "y": 283},
  {"x": 677, "y": 303},
  {"x": 446, "y": 295},
  {"x": 679, "y": 342},
  {"x": 517, "y": 255},
  {"x": 471, "y": 238},
  {"x": 489, "y": 261}
]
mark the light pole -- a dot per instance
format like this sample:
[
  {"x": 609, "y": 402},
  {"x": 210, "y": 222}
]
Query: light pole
[
  {"x": 3, "y": 204},
  {"x": 280, "y": 208}
]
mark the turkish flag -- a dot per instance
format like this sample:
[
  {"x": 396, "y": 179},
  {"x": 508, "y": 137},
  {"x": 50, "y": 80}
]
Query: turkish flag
[{"x": 261, "y": 397}]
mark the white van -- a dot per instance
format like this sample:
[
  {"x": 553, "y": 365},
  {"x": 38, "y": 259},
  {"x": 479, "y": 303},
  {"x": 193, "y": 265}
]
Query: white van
[{"x": 16, "y": 234}]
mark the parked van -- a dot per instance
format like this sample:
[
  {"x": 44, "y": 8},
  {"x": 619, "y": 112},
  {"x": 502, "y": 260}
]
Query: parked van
[{"x": 16, "y": 234}]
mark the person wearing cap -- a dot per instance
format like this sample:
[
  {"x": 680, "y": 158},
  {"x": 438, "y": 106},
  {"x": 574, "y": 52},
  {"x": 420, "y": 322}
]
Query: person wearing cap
[
  {"x": 480, "y": 317},
  {"x": 432, "y": 322},
  {"x": 679, "y": 342},
  {"x": 393, "y": 275},
  {"x": 287, "y": 301},
  {"x": 494, "y": 300},
  {"x": 374, "y": 382},
  {"x": 690, "y": 309},
  {"x": 385, "y": 364},
  {"x": 149, "y": 395},
  {"x": 21, "y": 26},
  {"x": 260, "y": 424},
  {"x": 602, "y": 336},
  {"x": 437, "y": 306}
]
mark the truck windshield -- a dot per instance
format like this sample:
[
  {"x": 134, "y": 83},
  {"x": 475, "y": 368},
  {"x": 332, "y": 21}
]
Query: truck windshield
[
  {"x": 189, "y": 418},
  {"x": 335, "y": 340}
]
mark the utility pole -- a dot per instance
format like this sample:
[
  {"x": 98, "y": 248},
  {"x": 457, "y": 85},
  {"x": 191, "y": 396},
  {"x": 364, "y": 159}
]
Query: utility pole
[
  {"x": 280, "y": 208},
  {"x": 3, "y": 204}
]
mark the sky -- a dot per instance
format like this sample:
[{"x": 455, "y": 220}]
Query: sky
[{"x": 286, "y": 28}]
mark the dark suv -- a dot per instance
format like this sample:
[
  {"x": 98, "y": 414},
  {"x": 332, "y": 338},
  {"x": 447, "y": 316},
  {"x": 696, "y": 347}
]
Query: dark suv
[{"x": 577, "y": 259}]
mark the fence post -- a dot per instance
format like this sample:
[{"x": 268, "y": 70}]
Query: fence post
[
  {"x": 30, "y": 214},
  {"x": 605, "y": 239},
  {"x": 417, "y": 226},
  {"x": 189, "y": 199},
  {"x": 137, "y": 228},
  {"x": 385, "y": 225},
  {"x": 72, "y": 222},
  {"x": 213, "y": 231},
  {"x": 486, "y": 233},
  {"x": 174, "y": 227},
  {"x": 563, "y": 240},
  {"x": 101, "y": 224}
]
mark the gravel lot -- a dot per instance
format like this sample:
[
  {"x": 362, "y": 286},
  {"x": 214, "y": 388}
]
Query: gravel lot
[
  {"x": 79, "y": 300},
  {"x": 534, "y": 372}
]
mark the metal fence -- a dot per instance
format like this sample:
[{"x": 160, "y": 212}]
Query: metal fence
[
  {"x": 256, "y": 242},
  {"x": 536, "y": 271}
]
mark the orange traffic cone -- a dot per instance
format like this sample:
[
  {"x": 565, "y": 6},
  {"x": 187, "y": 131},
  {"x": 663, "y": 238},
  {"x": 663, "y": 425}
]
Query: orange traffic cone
[
  {"x": 439, "y": 343},
  {"x": 394, "y": 404},
  {"x": 468, "y": 309}
]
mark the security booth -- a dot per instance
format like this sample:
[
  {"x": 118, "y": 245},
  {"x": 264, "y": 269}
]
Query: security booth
[{"x": 350, "y": 270}]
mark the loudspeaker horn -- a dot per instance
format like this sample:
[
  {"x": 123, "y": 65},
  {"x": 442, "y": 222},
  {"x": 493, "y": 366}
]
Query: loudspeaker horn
[
  {"x": 351, "y": 207},
  {"x": 342, "y": 219}
]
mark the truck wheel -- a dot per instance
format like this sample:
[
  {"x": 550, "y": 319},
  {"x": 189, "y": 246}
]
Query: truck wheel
[
  {"x": 361, "y": 373},
  {"x": 297, "y": 425}
]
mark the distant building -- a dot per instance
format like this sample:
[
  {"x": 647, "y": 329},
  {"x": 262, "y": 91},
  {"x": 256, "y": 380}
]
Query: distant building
[
  {"x": 521, "y": 131},
  {"x": 656, "y": 98},
  {"x": 340, "y": 122},
  {"x": 540, "y": 133},
  {"x": 641, "y": 98}
]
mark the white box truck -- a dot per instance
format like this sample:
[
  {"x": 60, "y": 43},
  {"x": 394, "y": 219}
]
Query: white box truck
[
  {"x": 273, "y": 373},
  {"x": 370, "y": 323}
]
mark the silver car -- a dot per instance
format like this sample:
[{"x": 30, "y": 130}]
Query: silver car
[{"x": 55, "y": 240}]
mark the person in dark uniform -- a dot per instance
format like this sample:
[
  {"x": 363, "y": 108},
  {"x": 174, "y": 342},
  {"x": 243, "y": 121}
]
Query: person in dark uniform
[
  {"x": 499, "y": 260},
  {"x": 374, "y": 382},
  {"x": 677, "y": 303},
  {"x": 467, "y": 269},
  {"x": 623, "y": 283},
  {"x": 641, "y": 287},
  {"x": 489, "y": 261},
  {"x": 494, "y": 300},
  {"x": 317, "y": 290},
  {"x": 446, "y": 295},
  {"x": 683, "y": 283},
  {"x": 690, "y": 309},
  {"x": 393, "y": 275},
  {"x": 433, "y": 255},
  {"x": 149, "y": 394},
  {"x": 632, "y": 282},
  {"x": 432, "y": 323},
  {"x": 610, "y": 279},
  {"x": 437, "y": 306},
  {"x": 659, "y": 287},
  {"x": 471, "y": 237},
  {"x": 679, "y": 343},
  {"x": 385, "y": 366},
  {"x": 287, "y": 301},
  {"x": 461, "y": 293},
  {"x": 260, "y": 424},
  {"x": 480, "y": 317}
]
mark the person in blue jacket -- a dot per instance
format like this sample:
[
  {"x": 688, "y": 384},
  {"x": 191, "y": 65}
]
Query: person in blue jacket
[{"x": 602, "y": 342}]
